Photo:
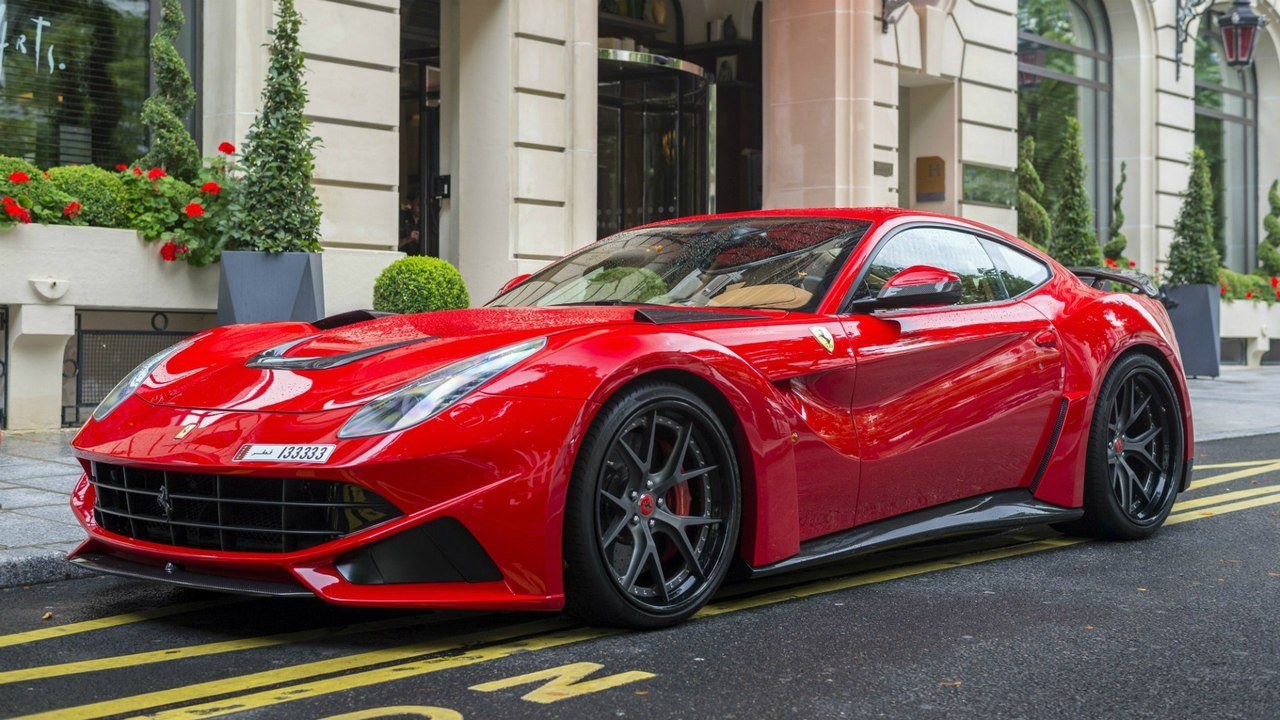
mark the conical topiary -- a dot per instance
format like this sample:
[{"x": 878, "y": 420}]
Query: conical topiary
[
  {"x": 1269, "y": 248},
  {"x": 1033, "y": 220},
  {"x": 1116, "y": 242},
  {"x": 172, "y": 147},
  {"x": 275, "y": 207},
  {"x": 1193, "y": 258},
  {"x": 1074, "y": 242}
]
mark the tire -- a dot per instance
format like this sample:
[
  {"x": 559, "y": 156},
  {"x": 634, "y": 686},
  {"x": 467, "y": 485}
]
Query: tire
[
  {"x": 628, "y": 504},
  {"x": 1136, "y": 452}
]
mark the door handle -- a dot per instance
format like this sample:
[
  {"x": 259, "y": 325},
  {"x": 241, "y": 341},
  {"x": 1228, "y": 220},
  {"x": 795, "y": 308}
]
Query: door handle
[{"x": 1047, "y": 339}]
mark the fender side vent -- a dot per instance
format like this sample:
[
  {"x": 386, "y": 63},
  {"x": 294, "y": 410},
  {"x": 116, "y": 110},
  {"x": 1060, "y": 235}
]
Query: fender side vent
[{"x": 1053, "y": 445}]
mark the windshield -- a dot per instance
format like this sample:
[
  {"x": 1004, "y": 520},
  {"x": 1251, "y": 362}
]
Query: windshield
[{"x": 767, "y": 263}]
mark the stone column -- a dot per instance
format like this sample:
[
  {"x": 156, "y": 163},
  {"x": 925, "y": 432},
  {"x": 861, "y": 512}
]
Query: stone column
[
  {"x": 819, "y": 102},
  {"x": 38, "y": 336}
]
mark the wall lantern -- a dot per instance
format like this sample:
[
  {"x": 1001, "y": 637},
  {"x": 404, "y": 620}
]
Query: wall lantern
[
  {"x": 1239, "y": 28},
  {"x": 889, "y": 14}
]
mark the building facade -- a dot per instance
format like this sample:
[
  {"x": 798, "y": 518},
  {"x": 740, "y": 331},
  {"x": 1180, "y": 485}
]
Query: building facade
[{"x": 500, "y": 134}]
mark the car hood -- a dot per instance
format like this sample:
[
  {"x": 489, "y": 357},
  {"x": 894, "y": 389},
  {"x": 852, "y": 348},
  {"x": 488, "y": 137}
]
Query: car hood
[{"x": 296, "y": 367}]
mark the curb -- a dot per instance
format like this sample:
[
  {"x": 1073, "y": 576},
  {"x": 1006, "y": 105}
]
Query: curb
[{"x": 32, "y": 566}]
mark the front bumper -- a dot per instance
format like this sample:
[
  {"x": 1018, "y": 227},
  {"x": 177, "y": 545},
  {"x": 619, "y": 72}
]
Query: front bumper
[{"x": 495, "y": 465}]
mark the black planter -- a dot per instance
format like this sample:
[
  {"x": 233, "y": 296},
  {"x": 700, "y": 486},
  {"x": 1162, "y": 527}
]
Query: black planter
[
  {"x": 1196, "y": 322},
  {"x": 261, "y": 287}
]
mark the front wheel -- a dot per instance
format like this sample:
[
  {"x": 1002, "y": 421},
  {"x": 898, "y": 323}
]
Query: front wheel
[
  {"x": 1136, "y": 452},
  {"x": 652, "y": 514}
]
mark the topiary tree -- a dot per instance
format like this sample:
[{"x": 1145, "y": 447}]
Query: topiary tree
[
  {"x": 1193, "y": 257},
  {"x": 275, "y": 208},
  {"x": 419, "y": 284},
  {"x": 101, "y": 193},
  {"x": 1074, "y": 242},
  {"x": 1034, "y": 225},
  {"x": 1269, "y": 248},
  {"x": 172, "y": 147},
  {"x": 1116, "y": 242}
]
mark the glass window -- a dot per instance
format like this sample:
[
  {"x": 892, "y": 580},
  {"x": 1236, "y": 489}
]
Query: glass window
[
  {"x": 1226, "y": 129},
  {"x": 1064, "y": 70},
  {"x": 774, "y": 263},
  {"x": 1019, "y": 271},
  {"x": 73, "y": 76},
  {"x": 952, "y": 250}
]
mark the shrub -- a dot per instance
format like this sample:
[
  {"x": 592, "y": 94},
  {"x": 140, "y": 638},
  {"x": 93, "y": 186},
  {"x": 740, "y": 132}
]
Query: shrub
[
  {"x": 154, "y": 202},
  {"x": 172, "y": 147},
  {"x": 101, "y": 193},
  {"x": 1239, "y": 286},
  {"x": 1193, "y": 258},
  {"x": 1113, "y": 250},
  {"x": 1269, "y": 248},
  {"x": 1033, "y": 220},
  {"x": 1074, "y": 242},
  {"x": 275, "y": 208},
  {"x": 30, "y": 195},
  {"x": 419, "y": 284}
]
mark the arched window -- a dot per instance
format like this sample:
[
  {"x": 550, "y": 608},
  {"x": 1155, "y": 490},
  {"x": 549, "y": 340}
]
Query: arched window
[
  {"x": 1226, "y": 129},
  {"x": 1064, "y": 70}
]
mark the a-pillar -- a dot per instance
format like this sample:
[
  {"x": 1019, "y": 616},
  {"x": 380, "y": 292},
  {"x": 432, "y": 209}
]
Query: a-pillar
[{"x": 37, "y": 339}]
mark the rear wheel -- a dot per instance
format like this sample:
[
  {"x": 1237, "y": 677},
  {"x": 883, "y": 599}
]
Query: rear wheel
[
  {"x": 1136, "y": 453},
  {"x": 651, "y": 520}
]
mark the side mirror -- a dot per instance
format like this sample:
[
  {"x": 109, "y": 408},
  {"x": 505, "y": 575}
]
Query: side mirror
[
  {"x": 916, "y": 286},
  {"x": 514, "y": 282}
]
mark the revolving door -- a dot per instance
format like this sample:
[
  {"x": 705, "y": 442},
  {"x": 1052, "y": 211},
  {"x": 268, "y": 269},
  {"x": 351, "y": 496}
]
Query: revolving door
[{"x": 656, "y": 140}]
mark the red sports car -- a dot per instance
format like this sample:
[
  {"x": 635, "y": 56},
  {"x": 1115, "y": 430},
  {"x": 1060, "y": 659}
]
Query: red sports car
[{"x": 616, "y": 433}]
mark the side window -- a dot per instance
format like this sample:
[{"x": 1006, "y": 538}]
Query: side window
[
  {"x": 958, "y": 252},
  {"x": 1020, "y": 271}
]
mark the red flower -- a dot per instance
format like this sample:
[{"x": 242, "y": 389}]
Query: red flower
[
  {"x": 1112, "y": 263},
  {"x": 194, "y": 210},
  {"x": 211, "y": 188},
  {"x": 19, "y": 178},
  {"x": 171, "y": 250},
  {"x": 156, "y": 174},
  {"x": 16, "y": 211},
  {"x": 1248, "y": 295},
  {"x": 1222, "y": 289},
  {"x": 227, "y": 148},
  {"x": 46, "y": 175},
  {"x": 7, "y": 201},
  {"x": 137, "y": 171},
  {"x": 1133, "y": 264},
  {"x": 121, "y": 167},
  {"x": 1275, "y": 281},
  {"x": 72, "y": 210}
]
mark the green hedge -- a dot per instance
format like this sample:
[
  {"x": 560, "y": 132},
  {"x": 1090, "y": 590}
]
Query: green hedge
[
  {"x": 101, "y": 192},
  {"x": 419, "y": 284},
  {"x": 38, "y": 194}
]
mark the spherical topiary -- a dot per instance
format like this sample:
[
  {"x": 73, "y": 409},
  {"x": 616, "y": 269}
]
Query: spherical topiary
[
  {"x": 101, "y": 193},
  {"x": 419, "y": 284}
]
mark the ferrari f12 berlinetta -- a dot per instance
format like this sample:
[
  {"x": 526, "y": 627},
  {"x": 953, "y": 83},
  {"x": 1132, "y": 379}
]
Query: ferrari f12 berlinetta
[{"x": 616, "y": 433}]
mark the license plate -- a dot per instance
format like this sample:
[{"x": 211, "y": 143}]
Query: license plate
[{"x": 285, "y": 453}]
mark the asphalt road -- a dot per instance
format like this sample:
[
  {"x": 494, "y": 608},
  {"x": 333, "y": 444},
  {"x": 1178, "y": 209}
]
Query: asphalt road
[{"x": 1030, "y": 624}]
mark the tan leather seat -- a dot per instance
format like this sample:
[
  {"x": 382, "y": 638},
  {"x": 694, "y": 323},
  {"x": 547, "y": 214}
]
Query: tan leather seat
[{"x": 773, "y": 297}]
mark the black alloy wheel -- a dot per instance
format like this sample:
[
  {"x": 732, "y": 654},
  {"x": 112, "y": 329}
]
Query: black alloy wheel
[
  {"x": 652, "y": 517},
  {"x": 1136, "y": 453}
]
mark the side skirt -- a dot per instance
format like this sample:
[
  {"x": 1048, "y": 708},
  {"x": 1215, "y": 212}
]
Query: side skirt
[{"x": 1002, "y": 510}]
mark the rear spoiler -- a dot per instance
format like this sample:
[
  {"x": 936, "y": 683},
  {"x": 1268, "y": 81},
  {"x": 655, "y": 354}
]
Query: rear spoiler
[{"x": 1097, "y": 277}]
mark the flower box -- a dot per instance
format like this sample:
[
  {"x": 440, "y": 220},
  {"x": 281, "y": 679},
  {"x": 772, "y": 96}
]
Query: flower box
[{"x": 1254, "y": 322}]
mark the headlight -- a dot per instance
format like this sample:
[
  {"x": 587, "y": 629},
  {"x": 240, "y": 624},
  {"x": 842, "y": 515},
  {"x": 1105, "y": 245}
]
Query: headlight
[
  {"x": 134, "y": 380},
  {"x": 432, "y": 394}
]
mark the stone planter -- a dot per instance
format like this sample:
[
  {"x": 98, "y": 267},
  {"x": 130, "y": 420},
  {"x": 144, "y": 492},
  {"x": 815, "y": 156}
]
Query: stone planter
[
  {"x": 1256, "y": 323},
  {"x": 262, "y": 287},
  {"x": 1196, "y": 320}
]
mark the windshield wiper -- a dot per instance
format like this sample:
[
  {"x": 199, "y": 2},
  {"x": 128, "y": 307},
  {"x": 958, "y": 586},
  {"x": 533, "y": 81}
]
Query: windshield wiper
[{"x": 601, "y": 303}]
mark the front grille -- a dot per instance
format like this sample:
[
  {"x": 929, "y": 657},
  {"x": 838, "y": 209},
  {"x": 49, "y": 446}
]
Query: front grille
[{"x": 231, "y": 512}]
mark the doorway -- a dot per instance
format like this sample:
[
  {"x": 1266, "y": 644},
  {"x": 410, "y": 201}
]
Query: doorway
[
  {"x": 421, "y": 186},
  {"x": 927, "y": 144}
]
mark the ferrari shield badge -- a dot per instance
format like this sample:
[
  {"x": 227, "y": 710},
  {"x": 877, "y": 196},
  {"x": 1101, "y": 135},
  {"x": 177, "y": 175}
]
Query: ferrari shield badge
[
  {"x": 823, "y": 336},
  {"x": 185, "y": 431}
]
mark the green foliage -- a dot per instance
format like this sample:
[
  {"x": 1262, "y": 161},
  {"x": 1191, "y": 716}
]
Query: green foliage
[
  {"x": 36, "y": 197},
  {"x": 1254, "y": 288},
  {"x": 1034, "y": 225},
  {"x": 628, "y": 283},
  {"x": 153, "y": 207},
  {"x": 190, "y": 219},
  {"x": 1074, "y": 243},
  {"x": 1269, "y": 248},
  {"x": 101, "y": 193},
  {"x": 419, "y": 284},
  {"x": 172, "y": 147},
  {"x": 1116, "y": 241},
  {"x": 275, "y": 208},
  {"x": 1193, "y": 256}
]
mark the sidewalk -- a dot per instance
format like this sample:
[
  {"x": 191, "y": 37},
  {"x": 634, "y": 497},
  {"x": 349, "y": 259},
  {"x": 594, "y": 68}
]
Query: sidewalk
[{"x": 37, "y": 472}]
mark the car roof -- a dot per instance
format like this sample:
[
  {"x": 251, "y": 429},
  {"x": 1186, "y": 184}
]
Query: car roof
[{"x": 873, "y": 214}]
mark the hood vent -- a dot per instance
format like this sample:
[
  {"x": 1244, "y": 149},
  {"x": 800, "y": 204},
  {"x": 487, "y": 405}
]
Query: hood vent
[{"x": 274, "y": 358}]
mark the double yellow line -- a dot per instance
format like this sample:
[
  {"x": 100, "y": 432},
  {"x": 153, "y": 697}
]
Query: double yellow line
[{"x": 327, "y": 676}]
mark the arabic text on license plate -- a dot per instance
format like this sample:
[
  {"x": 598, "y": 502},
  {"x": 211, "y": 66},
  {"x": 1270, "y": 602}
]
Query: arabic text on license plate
[{"x": 285, "y": 453}]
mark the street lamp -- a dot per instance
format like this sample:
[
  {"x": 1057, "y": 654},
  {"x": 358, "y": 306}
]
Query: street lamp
[{"x": 1239, "y": 29}]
